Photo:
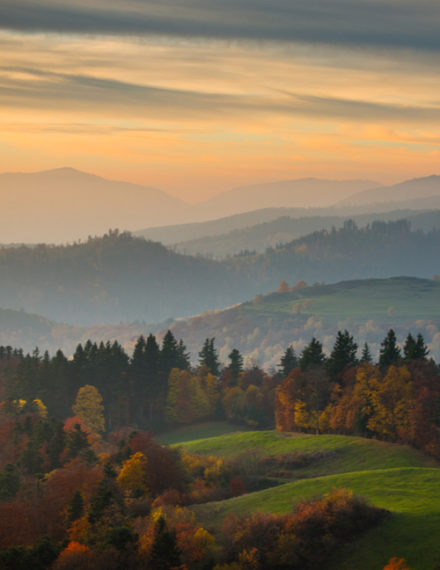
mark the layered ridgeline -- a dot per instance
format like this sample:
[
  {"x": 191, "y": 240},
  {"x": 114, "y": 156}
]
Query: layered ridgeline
[
  {"x": 279, "y": 231},
  {"x": 120, "y": 278}
]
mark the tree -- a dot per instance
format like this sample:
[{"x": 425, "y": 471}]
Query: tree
[
  {"x": 415, "y": 349},
  {"x": 208, "y": 356},
  {"x": 283, "y": 287},
  {"x": 132, "y": 476},
  {"x": 288, "y": 362},
  {"x": 236, "y": 363},
  {"x": 88, "y": 406},
  {"x": 75, "y": 509},
  {"x": 366, "y": 354},
  {"x": 389, "y": 352},
  {"x": 169, "y": 354},
  {"x": 183, "y": 360},
  {"x": 342, "y": 355},
  {"x": 312, "y": 355},
  {"x": 145, "y": 373},
  {"x": 165, "y": 554}
]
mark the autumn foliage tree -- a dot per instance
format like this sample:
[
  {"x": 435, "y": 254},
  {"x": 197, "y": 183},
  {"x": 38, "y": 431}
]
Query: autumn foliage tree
[{"x": 88, "y": 406}]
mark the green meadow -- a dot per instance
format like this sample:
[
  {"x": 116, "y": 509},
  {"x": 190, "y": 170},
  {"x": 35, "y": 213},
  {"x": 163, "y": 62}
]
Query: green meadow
[{"x": 390, "y": 476}]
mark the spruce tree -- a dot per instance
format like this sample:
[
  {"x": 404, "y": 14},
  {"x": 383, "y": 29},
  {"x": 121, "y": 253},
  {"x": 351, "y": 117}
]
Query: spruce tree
[
  {"x": 75, "y": 510},
  {"x": 312, "y": 355},
  {"x": 421, "y": 351},
  {"x": 389, "y": 352},
  {"x": 169, "y": 354},
  {"x": 183, "y": 360},
  {"x": 409, "y": 347},
  {"x": 236, "y": 363},
  {"x": 165, "y": 553},
  {"x": 208, "y": 357},
  {"x": 366, "y": 354},
  {"x": 342, "y": 355},
  {"x": 288, "y": 362}
]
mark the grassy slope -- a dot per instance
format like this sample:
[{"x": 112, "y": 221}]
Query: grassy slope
[
  {"x": 264, "y": 327},
  {"x": 390, "y": 476},
  {"x": 203, "y": 430},
  {"x": 401, "y": 298}
]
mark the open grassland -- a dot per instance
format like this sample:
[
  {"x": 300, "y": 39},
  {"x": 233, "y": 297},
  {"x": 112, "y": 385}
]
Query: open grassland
[
  {"x": 339, "y": 454},
  {"x": 402, "y": 298},
  {"x": 203, "y": 430},
  {"x": 390, "y": 476}
]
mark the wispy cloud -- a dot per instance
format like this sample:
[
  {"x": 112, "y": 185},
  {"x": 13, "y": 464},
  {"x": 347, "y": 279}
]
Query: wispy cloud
[
  {"x": 408, "y": 24},
  {"x": 42, "y": 88}
]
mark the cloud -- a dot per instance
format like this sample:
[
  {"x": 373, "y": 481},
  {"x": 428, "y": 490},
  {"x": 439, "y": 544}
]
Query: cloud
[
  {"x": 40, "y": 88},
  {"x": 411, "y": 24}
]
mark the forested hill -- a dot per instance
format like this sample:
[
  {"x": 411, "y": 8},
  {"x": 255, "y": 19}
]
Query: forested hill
[
  {"x": 380, "y": 249},
  {"x": 121, "y": 278},
  {"x": 286, "y": 228},
  {"x": 107, "y": 280}
]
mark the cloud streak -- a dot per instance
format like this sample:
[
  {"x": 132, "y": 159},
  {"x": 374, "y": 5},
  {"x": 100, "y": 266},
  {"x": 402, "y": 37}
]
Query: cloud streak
[
  {"x": 46, "y": 89},
  {"x": 408, "y": 24}
]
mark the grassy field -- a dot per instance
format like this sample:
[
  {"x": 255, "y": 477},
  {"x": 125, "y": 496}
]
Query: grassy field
[
  {"x": 402, "y": 298},
  {"x": 391, "y": 476},
  {"x": 203, "y": 430}
]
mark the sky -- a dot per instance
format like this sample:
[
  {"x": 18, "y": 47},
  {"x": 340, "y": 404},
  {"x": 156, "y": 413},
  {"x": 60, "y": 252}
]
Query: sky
[{"x": 199, "y": 96}]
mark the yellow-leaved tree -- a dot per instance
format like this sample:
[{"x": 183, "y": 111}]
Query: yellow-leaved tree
[
  {"x": 133, "y": 474},
  {"x": 88, "y": 406}
]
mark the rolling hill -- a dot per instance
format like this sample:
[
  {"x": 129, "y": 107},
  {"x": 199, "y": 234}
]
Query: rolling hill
[
  {"x": 262, "y": 329},
  {"x": 391, "y": 476}
]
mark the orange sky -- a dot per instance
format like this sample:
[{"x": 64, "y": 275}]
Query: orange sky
[{"x": 195, "y": 116}]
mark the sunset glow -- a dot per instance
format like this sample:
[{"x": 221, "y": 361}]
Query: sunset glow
[{"x": 196, "y": 107}]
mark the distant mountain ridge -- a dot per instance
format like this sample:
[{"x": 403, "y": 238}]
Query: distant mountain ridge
[
  {"x": 405, "y": 193},
  {"x": 286, "y": 229},
  {"x": 65, "y": 204},
  {"x": 298, "y": 193}
]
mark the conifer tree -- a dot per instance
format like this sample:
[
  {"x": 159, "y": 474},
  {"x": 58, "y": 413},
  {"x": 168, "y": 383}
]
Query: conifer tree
[
  {"x": 415, "y": 349},
  {"x": 288, "y": 362},
  {"x": 182, "y": 356},
  {"x": 236, "y": 363},
  {"x": 342, "y": 355},
  {"x": 389, "y": 352},
  {"x": 169, "y": 354},
  {"x": 409, "y": 347},
  {"x": 312, "y": 355},
  {"x": 208, "y": 357},
  {"x": 366, "y": 354},
  {"x": 75, "y": 510},
  {"x": 165, "y": 554}
]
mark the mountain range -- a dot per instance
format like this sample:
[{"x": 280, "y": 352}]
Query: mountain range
[{"x": 64, "y": 204}]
